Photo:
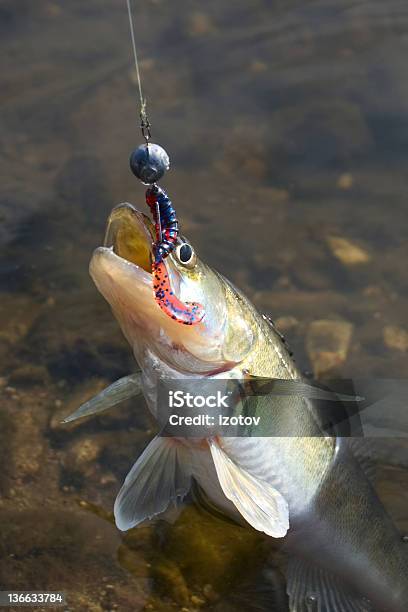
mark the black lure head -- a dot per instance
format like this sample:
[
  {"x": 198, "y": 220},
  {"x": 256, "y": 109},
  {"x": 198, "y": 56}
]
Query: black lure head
[{"x": 149, "y": 162}]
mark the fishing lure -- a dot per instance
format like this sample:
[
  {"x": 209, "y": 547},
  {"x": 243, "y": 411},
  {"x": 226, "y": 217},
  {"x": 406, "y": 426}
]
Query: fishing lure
[
  {"x": 148, "y": 163},
  {"x": 167, "y": 231},
  {"x": 165, "y": 220},
  {"x": 187, "y": 313}
]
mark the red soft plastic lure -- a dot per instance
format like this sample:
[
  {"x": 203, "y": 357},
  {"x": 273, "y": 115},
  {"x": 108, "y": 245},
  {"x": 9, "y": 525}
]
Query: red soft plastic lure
[
  {"x": 188, "y": 313},
  {"x": 166, "y": 224}
]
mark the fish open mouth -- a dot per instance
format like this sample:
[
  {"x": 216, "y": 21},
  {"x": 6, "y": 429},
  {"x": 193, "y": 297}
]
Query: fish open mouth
[
  {"x": 130, "y": 233},
  {"x": 122, "y": 272},
  {"x": 122, "y": 268}
]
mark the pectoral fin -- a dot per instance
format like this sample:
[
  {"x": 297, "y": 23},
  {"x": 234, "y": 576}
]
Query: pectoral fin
[
  {"x": 159, "y": 480},
  {"x": 261, "y": 505},
  {"x": 117, "y": 392}
]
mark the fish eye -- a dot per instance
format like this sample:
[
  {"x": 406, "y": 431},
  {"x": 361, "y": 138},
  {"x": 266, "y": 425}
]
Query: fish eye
[{"x": 186, "y": 255}]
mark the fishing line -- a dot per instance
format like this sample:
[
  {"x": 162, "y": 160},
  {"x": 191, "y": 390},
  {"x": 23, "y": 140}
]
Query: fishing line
[{"x": 144, "y": 121}]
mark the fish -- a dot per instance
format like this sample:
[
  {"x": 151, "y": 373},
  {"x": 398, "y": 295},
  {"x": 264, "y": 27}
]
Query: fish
[{"x": 311, "y": 489}]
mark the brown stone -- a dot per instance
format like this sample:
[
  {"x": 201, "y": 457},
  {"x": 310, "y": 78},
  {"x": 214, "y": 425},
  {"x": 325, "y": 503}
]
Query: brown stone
[
  {"x": 347, "y": 252},
  {"x": 327, "y": 344},
  {"x": 395, "y": 338}
]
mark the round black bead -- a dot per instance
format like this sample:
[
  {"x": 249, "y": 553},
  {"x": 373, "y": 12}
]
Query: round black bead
[{"x": 149, "y": 162}]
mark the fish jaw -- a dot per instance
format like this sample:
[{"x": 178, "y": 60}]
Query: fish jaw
[{"x": 126, "y": 287}]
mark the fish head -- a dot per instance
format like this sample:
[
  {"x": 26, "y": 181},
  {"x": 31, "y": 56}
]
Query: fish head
[{"x": 122, "y": 272}]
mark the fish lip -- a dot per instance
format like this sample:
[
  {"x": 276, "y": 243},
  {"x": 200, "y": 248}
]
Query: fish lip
[{"x": 103, "y": 254}]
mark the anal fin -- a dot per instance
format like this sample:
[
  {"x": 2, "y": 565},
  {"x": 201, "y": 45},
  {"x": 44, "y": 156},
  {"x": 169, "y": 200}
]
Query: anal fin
[
  {"x": 312, "y": 589},
  {"x": 261, "y": 505}
]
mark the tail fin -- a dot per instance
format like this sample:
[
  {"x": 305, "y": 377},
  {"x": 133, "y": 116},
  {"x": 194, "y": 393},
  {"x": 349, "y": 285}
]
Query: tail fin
[{"x": 312, "y": 589}]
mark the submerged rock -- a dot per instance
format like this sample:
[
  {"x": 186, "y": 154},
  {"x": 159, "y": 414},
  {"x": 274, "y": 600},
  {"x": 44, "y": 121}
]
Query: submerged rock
[
  {"x": 82, "y": 452},
  {"x": 18, "y": 314},
  {"x": 69, "y": 549},
  {"x": 395, "y": 338},
  {"x": 347, "y": 252},
  {"x": 200, "y": 24},
  {"x": 327, "y": 344},
  {"x": 29, "y": 374},
  {"x": 345, "y": 181},
  {"x": 285, "y": 324}
]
